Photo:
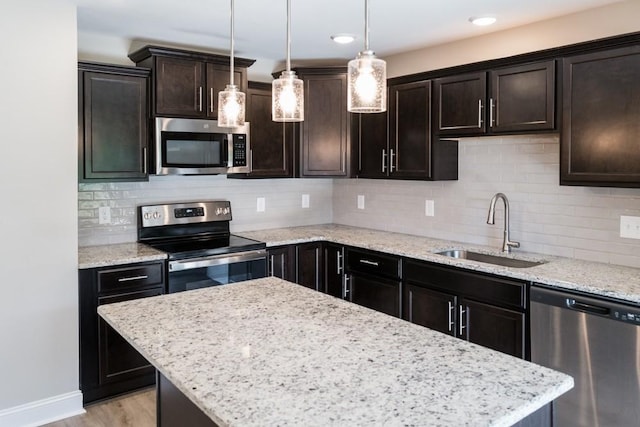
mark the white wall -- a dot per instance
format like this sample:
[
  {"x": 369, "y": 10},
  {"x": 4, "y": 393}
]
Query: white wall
[{"x": 38, "y": 222}]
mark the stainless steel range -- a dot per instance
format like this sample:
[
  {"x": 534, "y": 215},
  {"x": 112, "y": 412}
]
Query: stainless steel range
[{"x": 202, "y": 251}]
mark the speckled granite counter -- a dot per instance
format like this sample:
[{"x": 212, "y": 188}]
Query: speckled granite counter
[
  {"x": 268, "y": 352},
  {"x": 602, "y": 279},
  {"x": 124, "y": 253}
]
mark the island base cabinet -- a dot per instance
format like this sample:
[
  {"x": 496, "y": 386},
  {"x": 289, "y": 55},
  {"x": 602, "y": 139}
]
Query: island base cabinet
[
  {"x": 430, "y": 308},
  {"x": 174, "y": 409}
]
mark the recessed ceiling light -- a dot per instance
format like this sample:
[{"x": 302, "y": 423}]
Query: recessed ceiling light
[
  {"x": 343, "y": 38},
  {"x": 482, "y": 20}
]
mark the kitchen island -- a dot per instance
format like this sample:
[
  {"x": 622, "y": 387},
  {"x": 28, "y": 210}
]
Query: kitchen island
[{"x": 268, "y": 352}]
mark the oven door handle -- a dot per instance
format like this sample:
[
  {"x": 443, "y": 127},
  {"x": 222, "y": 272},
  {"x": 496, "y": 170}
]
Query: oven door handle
[{"x": 222, "y": 259}]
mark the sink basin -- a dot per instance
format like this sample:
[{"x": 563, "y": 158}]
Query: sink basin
[{"x": 490, "y": 259}]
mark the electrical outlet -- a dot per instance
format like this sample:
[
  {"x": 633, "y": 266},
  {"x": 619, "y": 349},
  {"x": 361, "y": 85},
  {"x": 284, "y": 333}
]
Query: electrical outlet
[
  {"x": 260, "y": 204},
  {"x": 360, "y": 201},
  {"x": 104, "y": 215},
  {"x": 429, "y": 208},
  {"x": 305, "y": 201},
  {"x": 630, "y": 227}
]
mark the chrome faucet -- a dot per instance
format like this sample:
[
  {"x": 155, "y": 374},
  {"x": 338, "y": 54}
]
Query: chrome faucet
[{"x": 506, "y": 243}]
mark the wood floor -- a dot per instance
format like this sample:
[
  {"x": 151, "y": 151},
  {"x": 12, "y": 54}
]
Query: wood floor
[{"x": 136, "y": 409}]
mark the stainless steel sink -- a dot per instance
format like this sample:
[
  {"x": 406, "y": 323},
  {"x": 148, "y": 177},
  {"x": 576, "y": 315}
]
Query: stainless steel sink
[{"x": 490, "y": 259}]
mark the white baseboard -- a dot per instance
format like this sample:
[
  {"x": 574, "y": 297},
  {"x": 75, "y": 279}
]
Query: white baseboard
[{"x": 43, "y": 411}]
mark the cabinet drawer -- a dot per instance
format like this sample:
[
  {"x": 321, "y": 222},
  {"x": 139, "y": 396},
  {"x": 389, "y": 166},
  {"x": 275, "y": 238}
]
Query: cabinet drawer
[
  {"x": 373, "y": 263},
  {"x": 489, "y": 289},
  {"x": 126, "y": 277}
]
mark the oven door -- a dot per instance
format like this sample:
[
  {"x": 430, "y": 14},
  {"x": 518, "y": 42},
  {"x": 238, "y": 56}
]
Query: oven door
[{"x": 195, "y": 273}]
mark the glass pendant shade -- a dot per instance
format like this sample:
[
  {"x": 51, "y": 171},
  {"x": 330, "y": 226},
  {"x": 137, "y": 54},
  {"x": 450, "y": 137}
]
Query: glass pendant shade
[
  {"x": 231, "y": 107},
  {"x": 288, "y": 98},
  {"x": 367, "y": 84}
]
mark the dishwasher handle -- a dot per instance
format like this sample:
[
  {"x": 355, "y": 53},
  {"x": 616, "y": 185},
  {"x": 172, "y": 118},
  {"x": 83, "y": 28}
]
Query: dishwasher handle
[{"x": 587, "y": 308}]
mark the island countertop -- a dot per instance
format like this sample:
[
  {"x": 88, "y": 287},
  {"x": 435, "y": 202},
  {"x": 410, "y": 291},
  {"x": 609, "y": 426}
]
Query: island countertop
[{"x": 269, "y": 352}]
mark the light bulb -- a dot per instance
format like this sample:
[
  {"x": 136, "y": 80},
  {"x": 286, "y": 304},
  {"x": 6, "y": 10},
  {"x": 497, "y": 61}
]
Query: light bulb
[
  {"x": 287, "y": 99},
  {"x": 232, "y": 108},
  {"x": 366, "y": 86}
]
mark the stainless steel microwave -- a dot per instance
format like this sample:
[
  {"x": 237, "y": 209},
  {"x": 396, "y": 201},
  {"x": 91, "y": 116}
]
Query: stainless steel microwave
[{"x": 199, "y": 147}]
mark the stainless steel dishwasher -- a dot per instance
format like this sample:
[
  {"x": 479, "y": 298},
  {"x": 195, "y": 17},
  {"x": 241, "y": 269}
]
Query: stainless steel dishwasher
[{"x": 597, "y": 342}]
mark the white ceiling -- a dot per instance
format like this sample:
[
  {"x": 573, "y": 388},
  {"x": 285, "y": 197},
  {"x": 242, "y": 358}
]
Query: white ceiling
[{"x": 260, "y": 25}]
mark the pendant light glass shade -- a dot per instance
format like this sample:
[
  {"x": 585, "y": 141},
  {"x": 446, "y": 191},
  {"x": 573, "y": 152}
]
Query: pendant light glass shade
[
  {"x": 231, "y": 102},
  {"x": 367, "y": 78},
  {"x": 287, "y": 94}
]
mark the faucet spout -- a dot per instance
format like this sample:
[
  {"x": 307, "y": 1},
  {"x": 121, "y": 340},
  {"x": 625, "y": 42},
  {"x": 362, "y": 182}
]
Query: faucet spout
[{"x": 507, "y": 244}]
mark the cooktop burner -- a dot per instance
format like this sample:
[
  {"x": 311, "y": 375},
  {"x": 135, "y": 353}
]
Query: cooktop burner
[{"x": 192, "y": 248}]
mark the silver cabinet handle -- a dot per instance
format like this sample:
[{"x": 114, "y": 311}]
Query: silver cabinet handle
[
  {"x": 384, "y": 160},
  {"x": 391, "y": 161},
  {"x": 345, "y": 287},
  {"x": 491, "y": 107},
  {"x": 211, "y": 100},
  {"x": 339, "y": 262},
  {"x": 200, "y": 98},
  {"x": 271, "y": 260},
  {"x": 366, "y": 261},
  {"x": 451, "y": 309},
  {"x": 479, "y": 113},
  {"x": 144, "y": 160},
  {"x": 129, "y": 279},
  {"x": 461, "y": 320}
]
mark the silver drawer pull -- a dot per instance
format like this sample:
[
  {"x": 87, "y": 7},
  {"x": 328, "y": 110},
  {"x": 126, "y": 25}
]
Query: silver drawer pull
[
  {"x": 129, "y": 279},
  {"x": 451, "y": 309},
  {"x": 461, "y": 320},
  {"x": 366, "y": 261}
]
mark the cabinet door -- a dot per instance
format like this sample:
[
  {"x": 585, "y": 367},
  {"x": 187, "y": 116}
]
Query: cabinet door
[
  {"x": 334, "y": 269},
  {"x": 309, "y": 265},
  {"x": 325, "y": 139},
  {"x": 179, "y": 86},
  {"x": 117, "y": 359},
  {"x": 271, "y": 142},
  {"x": 493, "y": 327},
  {"x": 522, "y": 98},
  {"x": 370, "y": 133},
  {"x": 282, "y": 262},
  {"x": 430, "y": 308},
  {"x": 378, "y": 294},
  {"x": 601, "y": 107},
  {"x": 217, "y": 80},
  {"x": 113, "y": 127},
  {"x": 460, "y": 104},
  {"x": 410, "y": 130}
]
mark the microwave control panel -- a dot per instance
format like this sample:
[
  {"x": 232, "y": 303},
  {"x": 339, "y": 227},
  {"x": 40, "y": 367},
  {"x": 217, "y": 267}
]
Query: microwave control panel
[{"x": 239, "y": 150}]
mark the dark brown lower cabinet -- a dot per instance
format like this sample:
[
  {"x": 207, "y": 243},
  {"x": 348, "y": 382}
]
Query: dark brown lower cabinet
[
  {"x": 485, "y": 310},
  {"x": 282, "y": 262},
  {"x": 108, "y": 364},
  {"x": 334, "y": 269},
  {"x": 309, "y": 265}
]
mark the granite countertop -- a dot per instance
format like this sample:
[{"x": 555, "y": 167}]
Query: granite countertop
[
  {"x": 123, "y": 253},
  {"x": 622, "y": 283},
  {"x": 268, "y": 352}
]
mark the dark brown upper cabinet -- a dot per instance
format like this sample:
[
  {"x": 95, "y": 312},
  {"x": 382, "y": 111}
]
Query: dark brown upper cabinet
[
  {"x": 325, "y": 140},
  {"x": 112, "y": 123},
  {"x": 186, "y": 83},
  {"x": 408, "y": 150},
  {"x": 504, "y": 100},
  {"x": 272, "y": 148},
  {"x": 600, "y": 138}
]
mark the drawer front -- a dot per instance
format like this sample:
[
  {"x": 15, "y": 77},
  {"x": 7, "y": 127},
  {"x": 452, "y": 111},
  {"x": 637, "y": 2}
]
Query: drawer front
[
  {"x": 373, "y": 263},
  {"x": 494, "y": 290},
  {"x": 116, "y": 279}
]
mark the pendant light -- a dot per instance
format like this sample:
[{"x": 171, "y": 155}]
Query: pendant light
[
  {"x": 288, "y": 90},
  {"x": 367, "y": 78},
  {"x": 231, "y": 101}
]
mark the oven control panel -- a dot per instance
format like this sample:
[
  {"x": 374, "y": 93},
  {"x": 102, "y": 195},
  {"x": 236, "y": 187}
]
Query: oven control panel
[{"x": 184, "y": 213}]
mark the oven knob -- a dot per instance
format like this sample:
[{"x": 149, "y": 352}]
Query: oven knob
[
  {"x": 156, "y": 215},
  {"x": 147, "y": 215}
]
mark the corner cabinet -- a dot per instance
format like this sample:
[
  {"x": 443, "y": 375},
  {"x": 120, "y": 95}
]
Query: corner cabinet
[
  {"x": 108, "y": 364},
  {"x": 113, "y": 123},
  {"x": 513, "y": 99},
  {"x": 187, "y": 83},
  {"x": 272, "y": 143},
  {"x": 408, "y": 149},
  {"x": 482, "y": 309},
  {"x": 599, "y": 142},
  {"x": 325, "y": 140}
]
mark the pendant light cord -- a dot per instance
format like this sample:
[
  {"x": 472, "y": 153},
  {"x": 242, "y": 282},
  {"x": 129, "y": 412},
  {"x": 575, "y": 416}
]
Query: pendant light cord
[
  {"x": 288, "y": 35},
  {"x": 232, "y": 56},
  {"x": 366, "y": 25}
]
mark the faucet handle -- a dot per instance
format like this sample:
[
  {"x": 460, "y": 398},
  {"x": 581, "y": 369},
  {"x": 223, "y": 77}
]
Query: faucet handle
[{"x": 513, "y": 244}]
